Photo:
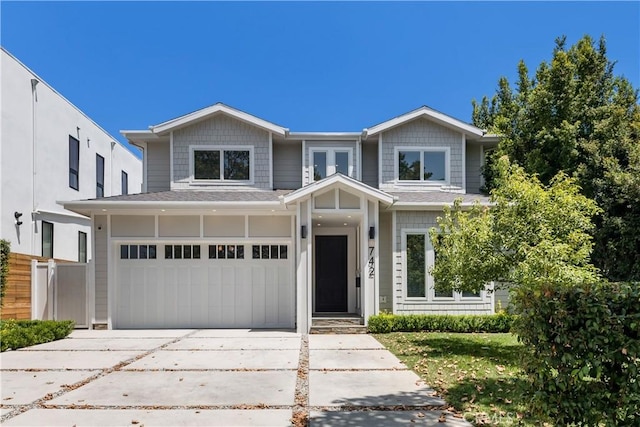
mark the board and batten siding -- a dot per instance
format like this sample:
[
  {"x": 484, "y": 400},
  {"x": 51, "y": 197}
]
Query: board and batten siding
[
  {"x": 474, "y": 165},
  {"x": 220, "y": 131},
  {"x": 101, "y": 268},
  {"x": 287, "y": 165},
  {"x": 158, "y": 171},
  {"x": 425, "y": 220},
  {"x": 370, "y": 164},
  {"x": 328, "y": 145},
  {"x": 420, "y": 133},
  {"x": 386, "y": 264}
]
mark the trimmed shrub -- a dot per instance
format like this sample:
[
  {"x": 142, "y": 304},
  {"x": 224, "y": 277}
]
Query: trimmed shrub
[
  {"x": 16, "y": 334},
  {"x": 584, "y": 360},
  {"x": 385, "y": 323}
]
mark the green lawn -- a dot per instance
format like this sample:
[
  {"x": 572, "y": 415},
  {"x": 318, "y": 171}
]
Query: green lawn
[{"x": 478, "y": 374}]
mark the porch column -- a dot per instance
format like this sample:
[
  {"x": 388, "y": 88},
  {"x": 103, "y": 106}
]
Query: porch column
[{"x": 303, "y": 266}]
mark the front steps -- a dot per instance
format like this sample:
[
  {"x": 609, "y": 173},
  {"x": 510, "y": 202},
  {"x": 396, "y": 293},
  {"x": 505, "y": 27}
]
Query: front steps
[{"x": 338, "y": 324}]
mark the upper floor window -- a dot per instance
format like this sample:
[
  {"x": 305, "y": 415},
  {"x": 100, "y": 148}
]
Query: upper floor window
[
  {"x": 429, "y": 165},
  {"x": 325, "y": 162},
  {"x": 99, "y": 176},
  {"x": 82, "y": 246},
  {"x": 74, "y": 163},
  {"x": 233, "y": 164},
  {"x": 124, "y": 183}
]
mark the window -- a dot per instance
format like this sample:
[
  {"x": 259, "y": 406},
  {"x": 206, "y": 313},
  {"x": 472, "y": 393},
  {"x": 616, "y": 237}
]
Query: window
[
  {"x": 124, "y": 182},
  {"x": 423, "y": 165},
  {"x": 416, "y": 266},
  {"x": 74, "y": 163},
  {"x": 181, "y": 252},
  {"x": 47, "y": 239},
  {"x": 226, "y": 251},
  {"x": 329, "y": 161},
  {"x": 82, "y": 246},
  {"x": 138, "y": 251},
  {"x": 99, "y": 176},
  {"x": 228, "y": 164},
  {"x": 269, "y": 252}
]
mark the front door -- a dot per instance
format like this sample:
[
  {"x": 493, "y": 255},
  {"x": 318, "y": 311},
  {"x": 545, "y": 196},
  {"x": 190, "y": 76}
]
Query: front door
[{"x": 331, "y": 274}]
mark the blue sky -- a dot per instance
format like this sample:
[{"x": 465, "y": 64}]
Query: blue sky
[{"x": 308, "y": 66}]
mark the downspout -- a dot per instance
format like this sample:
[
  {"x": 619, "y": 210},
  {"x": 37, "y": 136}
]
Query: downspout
[{"x": 34, "y": 163}]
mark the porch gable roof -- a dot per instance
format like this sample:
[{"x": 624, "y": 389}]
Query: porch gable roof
[{"x": 339, "y": 180}]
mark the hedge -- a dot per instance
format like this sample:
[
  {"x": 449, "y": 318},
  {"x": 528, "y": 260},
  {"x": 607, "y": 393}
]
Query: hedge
[
  {"x": 384, "y": 323},
  {"x": 584, "y": 360},
  {"x": 16, "y": 334}
]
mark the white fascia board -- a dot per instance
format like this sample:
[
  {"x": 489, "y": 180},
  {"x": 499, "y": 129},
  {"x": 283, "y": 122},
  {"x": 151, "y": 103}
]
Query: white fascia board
[
  {"x": 214, "y": 109},
  {"x": 342, "y": 182},
  {"x": 431, "y": 206},
  {"x": 324, "y": 136},
  {"x": 424, "y": 112}
]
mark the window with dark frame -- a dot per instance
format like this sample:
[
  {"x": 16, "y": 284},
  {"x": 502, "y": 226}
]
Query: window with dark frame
[
  {"x": 99, "y": 176},
  {"x": 138, "y": 251},
  {"x": 47, "y": 239},
  {"x": 82, "y": 246},
  {"x": 221, "y": 164},
  {"x": 416, "y": 265},
  {"x": 124, "y": 183},
  {"x": 269, "y": 252},
  {"x": 74, "y": 163}
]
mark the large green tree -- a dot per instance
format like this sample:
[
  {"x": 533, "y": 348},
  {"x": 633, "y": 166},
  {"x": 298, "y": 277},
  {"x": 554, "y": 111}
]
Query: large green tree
[{"x": 576, "y": 116}]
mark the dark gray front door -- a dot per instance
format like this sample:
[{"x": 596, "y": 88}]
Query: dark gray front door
[{"x": 331, "y": 274}]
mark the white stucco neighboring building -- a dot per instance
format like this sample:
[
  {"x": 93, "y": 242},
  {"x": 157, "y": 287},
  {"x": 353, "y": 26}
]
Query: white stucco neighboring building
[{"x": 50, "y": 151}]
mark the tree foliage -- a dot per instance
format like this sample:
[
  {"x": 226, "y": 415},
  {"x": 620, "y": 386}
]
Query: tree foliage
[
  {"x": 532, "y": 235},
  {"x": 577, "y": 117}
]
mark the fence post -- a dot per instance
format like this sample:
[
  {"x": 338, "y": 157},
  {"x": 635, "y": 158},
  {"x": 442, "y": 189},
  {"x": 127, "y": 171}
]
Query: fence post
[{"x": 34, "y": 289}]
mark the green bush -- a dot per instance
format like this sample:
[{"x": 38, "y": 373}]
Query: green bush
[
  {"x": 16, "y": 334},
  {"x": 385, "y": 323},
  {"x": 584, "y": 362}
]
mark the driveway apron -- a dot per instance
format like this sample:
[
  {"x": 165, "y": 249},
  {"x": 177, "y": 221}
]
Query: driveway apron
[{"x": 213, "y": 378}]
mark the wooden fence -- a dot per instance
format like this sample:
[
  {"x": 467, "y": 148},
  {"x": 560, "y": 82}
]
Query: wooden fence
[{"x": 16, "y": 303}]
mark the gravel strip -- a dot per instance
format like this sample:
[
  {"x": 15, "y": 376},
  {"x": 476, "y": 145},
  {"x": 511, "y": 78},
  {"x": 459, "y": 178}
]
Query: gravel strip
[{"x": 300, "y": 417}]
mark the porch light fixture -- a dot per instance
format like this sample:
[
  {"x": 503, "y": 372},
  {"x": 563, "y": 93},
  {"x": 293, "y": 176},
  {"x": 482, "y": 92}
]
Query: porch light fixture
[
  {"x": 372, "y": 233},
  {"x": 17, "y": 216},
  {"x": 303, "y": 231}
]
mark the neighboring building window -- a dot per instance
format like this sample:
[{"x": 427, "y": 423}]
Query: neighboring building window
[
  {"x": 416, "y": 266},
  {"x": 427, "y": 165},
  {"x": 82, "y": 246},
  {"x": 74, "y": 163},
  {"x": 329, "y": 161},
  {"x": 47, "y": 239},
  {"x": 124, "y": 183},
  {"x": 99, "y": 176},
  {"x": 222, "y": 164}
]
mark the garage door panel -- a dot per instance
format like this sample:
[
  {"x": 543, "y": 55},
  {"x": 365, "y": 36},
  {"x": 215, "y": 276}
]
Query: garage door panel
[{"x": 213, "y": 293}]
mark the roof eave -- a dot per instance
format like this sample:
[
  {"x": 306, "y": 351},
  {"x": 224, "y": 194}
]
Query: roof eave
[{"x": 423, "y": 112}]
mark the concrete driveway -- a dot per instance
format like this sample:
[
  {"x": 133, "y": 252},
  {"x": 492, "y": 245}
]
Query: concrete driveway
[{"x": 213, "y": 378}]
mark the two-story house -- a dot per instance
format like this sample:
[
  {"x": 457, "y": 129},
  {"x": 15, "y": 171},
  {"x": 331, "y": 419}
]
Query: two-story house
[
  {"x": 51, "y": 151},
  {"x": 243, "y": 223}
]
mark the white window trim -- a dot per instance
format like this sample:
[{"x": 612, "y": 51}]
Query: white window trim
[
  {"x": 422, "y": 150},
  {"x": 221, "y": 148},
  {"x": 331, "y": 160}
]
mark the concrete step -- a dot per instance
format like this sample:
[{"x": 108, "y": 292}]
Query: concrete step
[
  {"x": 336, "y": 321},
  {"x": 344, "y": 329}
]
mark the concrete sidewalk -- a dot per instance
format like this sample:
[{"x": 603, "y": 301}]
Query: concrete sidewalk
[{"x": 212, "y": 378}]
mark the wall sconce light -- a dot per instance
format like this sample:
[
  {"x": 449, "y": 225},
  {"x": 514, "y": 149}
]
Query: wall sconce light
[
  {"x": 17, "y": 216},
  {"x": 372, "y": 233},
  {"x": 303, "y": 231}
]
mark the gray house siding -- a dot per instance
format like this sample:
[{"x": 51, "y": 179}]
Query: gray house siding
[
  {"x": 426, "y": 220},
  {"x": 157, "y": 156},
  {"x": 386, "y": 263},
  {"x": 100, "y": 259},
  {"x": 420, "y": 133},
  {"x": 473, "y": 168},
  {"x": 220, "y": 131},
  {"x": 287, "y": 165},
  {"x": 370, "y": 164}
]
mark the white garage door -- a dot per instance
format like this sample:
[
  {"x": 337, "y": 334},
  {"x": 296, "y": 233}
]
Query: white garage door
[{"x": 204, "y": 286}]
